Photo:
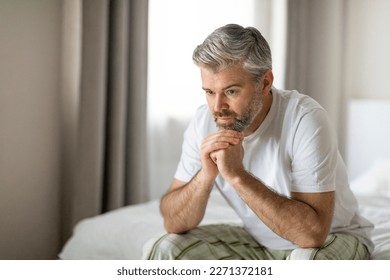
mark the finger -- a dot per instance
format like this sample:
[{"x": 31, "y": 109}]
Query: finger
[
  {"x": 209, "y": 147},
  {"x": 230, "y": 133},
  {"x": 231, "y": 138},
  {"x": 213, "y": 157}
]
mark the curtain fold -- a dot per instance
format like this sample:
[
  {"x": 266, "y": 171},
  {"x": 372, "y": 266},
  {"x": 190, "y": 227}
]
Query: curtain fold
[
  {"x": 316, "y": 56},
  {"x": 107, "y": 169},
  {"x": 136, "y": 154}
]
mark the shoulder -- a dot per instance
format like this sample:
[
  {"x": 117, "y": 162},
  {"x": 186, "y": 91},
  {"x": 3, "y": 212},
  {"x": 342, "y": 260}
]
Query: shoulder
[
  {"x": 295, "y": 101},
  {"x": 297, "y": 107}
]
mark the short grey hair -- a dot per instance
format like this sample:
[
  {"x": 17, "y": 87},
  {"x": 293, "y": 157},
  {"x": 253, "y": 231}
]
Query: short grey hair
[{"x": 231, "y": 44}]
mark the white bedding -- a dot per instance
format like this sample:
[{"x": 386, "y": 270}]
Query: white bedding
[
  {"x": 372, "y": 189},
  {"x": 123, "y": 233}
]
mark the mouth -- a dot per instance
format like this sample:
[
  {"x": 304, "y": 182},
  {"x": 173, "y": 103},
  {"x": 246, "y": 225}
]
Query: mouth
[{"x": 224, "y": 119}]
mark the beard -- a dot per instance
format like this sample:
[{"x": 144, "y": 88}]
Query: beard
[{"x": 240, "y": 122}]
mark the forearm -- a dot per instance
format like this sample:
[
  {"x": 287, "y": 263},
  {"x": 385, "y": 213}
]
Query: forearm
[
  {"x": 183, "y": 208},
  {"x": 292, "y": 219}
]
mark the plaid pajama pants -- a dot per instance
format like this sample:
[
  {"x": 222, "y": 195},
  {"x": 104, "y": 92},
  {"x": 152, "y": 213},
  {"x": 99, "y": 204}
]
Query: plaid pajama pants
[{"x": 227, "y": 242}]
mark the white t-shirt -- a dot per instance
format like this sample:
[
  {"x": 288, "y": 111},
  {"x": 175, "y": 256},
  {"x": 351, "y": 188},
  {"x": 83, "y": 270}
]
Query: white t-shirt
[{"x": 293, "y": 150}]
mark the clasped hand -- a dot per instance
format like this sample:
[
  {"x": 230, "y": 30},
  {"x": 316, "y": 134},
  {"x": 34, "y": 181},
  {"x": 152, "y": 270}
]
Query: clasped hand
[{"x": 223, "y": 152}]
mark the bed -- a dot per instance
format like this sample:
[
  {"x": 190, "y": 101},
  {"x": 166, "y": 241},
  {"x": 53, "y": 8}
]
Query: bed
[{"x": 128, "y": 232}]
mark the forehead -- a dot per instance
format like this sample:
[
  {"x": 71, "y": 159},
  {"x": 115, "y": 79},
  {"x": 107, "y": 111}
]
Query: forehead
[{"x": 234, "y": 74}]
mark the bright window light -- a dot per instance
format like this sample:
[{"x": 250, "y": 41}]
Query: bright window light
[{"x": 176, "y": 27}]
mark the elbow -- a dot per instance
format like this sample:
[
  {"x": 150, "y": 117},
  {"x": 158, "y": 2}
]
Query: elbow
[
  {"x": 312, "y": 240},
  {"x": 313, "y": 236},
  {"x": 177, "y": 225},
  {"x": 169, "y": 227},
  {"x": 173, "y": 228},
  {"x": 314, "y": 243}
]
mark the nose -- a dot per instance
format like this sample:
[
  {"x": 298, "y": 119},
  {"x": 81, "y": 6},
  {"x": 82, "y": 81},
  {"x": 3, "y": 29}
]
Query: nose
[{"x": 220, "y": 103}]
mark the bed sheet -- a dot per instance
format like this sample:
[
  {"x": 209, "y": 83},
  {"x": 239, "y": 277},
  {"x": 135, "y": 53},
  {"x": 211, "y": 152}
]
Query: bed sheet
[
  {"x": 372, "y": 190},
  {"x": 123, "y": 233},
  {"x": 377, "y": 210}
]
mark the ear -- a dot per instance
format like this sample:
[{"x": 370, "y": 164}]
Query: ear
[{"x": 266, "y": 85}]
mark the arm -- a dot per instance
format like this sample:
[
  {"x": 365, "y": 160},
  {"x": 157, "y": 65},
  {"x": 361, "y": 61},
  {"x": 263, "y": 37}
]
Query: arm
[
  {"x": 184, "y": 205},
  {"x": 304, "y": 218}
]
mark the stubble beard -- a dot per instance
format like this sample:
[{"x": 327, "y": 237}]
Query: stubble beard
[{"x": 241, "y": 122}]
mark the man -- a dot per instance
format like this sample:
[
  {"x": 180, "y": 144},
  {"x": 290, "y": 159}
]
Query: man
[{"x": 271, "y": 154}]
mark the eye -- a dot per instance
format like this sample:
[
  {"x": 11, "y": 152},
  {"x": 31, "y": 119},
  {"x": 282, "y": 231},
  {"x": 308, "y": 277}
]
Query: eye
[
  {"x": 209, "y": 92},
  {"x": 230, "y": 92}
]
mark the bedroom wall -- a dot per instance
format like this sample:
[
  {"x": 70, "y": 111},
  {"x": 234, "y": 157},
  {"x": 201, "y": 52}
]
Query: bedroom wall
[
  {"x": 367, "y": 49},
  {"x": 366, "y": 77},
  {"x": 29, "y": 120}
]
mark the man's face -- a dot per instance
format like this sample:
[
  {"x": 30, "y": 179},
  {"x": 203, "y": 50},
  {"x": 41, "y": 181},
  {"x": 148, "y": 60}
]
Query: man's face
[{"x": 233, "y": 96}]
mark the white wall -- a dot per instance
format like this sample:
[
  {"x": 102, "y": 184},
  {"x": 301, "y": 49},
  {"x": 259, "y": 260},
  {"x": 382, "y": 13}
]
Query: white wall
[
  {"x": 368, "y": 45},
  {"x": 29, "y": 119},
  {"x": 368, "y": 134},
  {"x": 367, "y": 60}
]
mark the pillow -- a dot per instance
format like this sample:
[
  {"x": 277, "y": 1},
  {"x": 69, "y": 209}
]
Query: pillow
[{"x": 375, "y": 181}]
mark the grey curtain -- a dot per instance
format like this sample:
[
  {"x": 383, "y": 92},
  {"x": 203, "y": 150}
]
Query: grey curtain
[
  {"x": 316, "y": 55},
  {"x": 103, "y": 108}
]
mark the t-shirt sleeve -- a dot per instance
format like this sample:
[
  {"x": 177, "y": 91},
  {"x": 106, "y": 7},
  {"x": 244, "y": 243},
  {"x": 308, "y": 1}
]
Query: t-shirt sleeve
[
  {"x": 314, "y": 156},
  {"x": 189, "y": 163}
]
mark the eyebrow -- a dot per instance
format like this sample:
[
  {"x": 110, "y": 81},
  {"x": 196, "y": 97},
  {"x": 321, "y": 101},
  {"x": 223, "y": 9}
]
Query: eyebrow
[{"x": 225, "y": 88}]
